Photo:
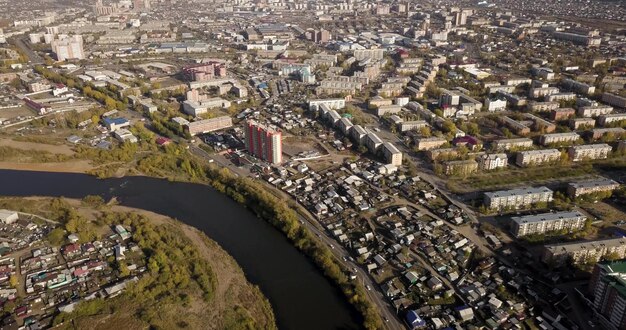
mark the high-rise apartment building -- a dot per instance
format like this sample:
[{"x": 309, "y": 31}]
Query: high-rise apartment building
[
  {"x": 69, "y": 48},
  {"x": 607, "y": 288},
  {"x": 264, "y": 142}
]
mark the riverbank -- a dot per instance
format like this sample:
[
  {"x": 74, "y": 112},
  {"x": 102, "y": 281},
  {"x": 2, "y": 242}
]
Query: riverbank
[
  {"x": 232, "y": 301},
  {"x": 275, "y": 211},
  {"x": 282, "y": 216}
]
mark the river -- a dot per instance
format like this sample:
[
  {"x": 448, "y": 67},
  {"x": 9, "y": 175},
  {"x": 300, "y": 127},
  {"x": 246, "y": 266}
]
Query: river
[{"x": 302, "y": 298}]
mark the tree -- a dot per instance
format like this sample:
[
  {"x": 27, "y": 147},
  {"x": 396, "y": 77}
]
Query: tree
[
  {"x": 612, "y": 256},
  {"x": 14, "y": 281},
  {"x": 425, "y": 131},
  {"x": 110, "y": 103},
  {"x": 56, "y": 237}
]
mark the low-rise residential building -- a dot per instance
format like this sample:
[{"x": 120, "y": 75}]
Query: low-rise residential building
[
  {"x": 518, "y": 143},
  {"x": 577, "y": 189},
  {"x": 589, "y": 151},
  {"x": 537, "y": 157},
  {"x": 460, "y": 167},
  {"x": 358, "y": 134},
  {"x": 560, "y": 97},
  {"x": 580, "y": 123},
  {"x": 604, "y": 120},
  {"x": 515, "y": 126},
  {"x": 562, "y": 113},
  {"x": 373, "y": 142},
  {"x": 431, "y": 143},
  {"x": 536, "y": 106},
  {"x": 445, "y": 153},
  {"x": 487, "y": 162},
  {"x": 194, "y": 108},
  {"x": 614, "y": 100},
  {"x": 578, "y": 87},
  {"x": 493, "y": 105},
  {"x": 332, "y": 104},
  {"x": 541, "y": 124},
  {"x": 378, "y": 101},
  {"x": 594, "y": 111},
  {"x": 392, "y": 155},
  {"x": 209, "y": 125},
  {"x": 517, "y": 198},
  {"x": 411, "y": 125},
  {"x": 385, "y": 109},
  {"x": 579, "y": 252},
  {"x": 569, "y": 137},
  {"x": 547, "y": 222},
  {"x": 598, "y": 133}
]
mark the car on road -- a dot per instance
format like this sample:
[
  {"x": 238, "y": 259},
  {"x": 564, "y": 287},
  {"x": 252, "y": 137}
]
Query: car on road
[
  {"x": 331, "y": 246},
  {"x": 368, "y": 288},
  {"x": 386, "y": 319}
]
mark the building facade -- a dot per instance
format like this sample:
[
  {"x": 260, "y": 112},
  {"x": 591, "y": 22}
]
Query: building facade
[
  {"x": 264, "y": 142},
  {"x": 577, "y": 189},
  {"x": 589, "y": 151},
  {"x": 547, "y": 222},
  {"x": 537, "y": 157},
  {"x": 517, "y": 198}
]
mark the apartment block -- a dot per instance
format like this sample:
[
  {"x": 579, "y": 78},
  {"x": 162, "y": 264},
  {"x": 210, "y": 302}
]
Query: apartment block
[
  {"x": 594, "y": 111},
  {"x": 547, "y": 222},
  {"x": 604, "y": 120},
  {"x": 195, "y": 109},
  {"x": 69, "y": 48},
  {"x": 578, "y": 87},
  {"x": 582, "y": 251},
  {"x": 577, "y": 123},
  {"x": 460, "y": 167},
  {"x": 576, "y": 189},
  {"x": 541, "y": 124},
  {"x": 562, "y": 113},
  {"x": 507, "y": 144},
  {"x": 537, "y": 157},
  {"x": 209, "y": 125},
  {"x": 553, "y": 138},
  {"x": 411, "y": 125},
  {"x": 515, "y": 126},
  {"x": 535, "y": 106},
  {"x": 517, "y": 198},
  {"x": 392, "y": 155},
  {"x": 614, "y": 100},
  {"x": 358, "y": 134},
  {"x": 487, "y": 162},
  {"x": 373, "y": 142},
  {"x": 332, "y": 104},
  {"x": 556, "y": 97},
  {"x": 598, "y": 133},
  {"x": 431, "y": 143},
  {"x": 589, "y": 151},
  {"x": 385, "y": 109}
]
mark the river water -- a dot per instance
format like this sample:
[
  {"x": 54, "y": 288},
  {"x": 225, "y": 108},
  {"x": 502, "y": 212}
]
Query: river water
[{"x": 302, "y": 298}]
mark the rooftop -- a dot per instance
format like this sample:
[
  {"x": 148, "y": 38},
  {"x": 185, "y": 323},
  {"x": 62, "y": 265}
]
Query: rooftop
[{"x": 548, "y": 217}]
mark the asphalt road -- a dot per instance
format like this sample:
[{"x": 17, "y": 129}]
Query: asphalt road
[{"x": 33, "y": 57}]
